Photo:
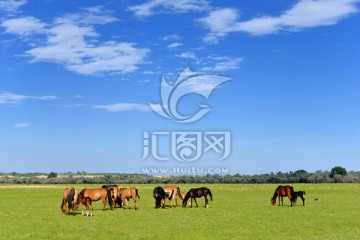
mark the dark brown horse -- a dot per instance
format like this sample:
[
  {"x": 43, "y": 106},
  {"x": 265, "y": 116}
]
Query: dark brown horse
[
  {"x": 196, "y": 193},
  {"x": 299, "y": 194},
  {"x": 127, "y": 193},
  {"x": 88, "y": 195},
  {"x": 69, "y": 200},
  {"x": 283, "y": 191}
]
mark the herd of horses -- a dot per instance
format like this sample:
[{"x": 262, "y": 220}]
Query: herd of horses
[{"x": 120, "y": 196}]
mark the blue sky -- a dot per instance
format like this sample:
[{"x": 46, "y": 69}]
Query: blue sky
[{"x": 76, "y": 80}]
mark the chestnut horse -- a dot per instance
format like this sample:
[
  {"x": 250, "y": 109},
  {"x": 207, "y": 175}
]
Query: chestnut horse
[
  {"x": 88, "y": 195},
  {"x": 196, "y": 193},
  {"x": 283, "y": 191},
  {"x": 127, "y": 193},
  {"x": 112, "y": 193},
  {"x": 174, "y": 199},
  {"x": 69, "y": 200}
]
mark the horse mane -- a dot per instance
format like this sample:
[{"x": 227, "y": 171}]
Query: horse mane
[
  {"x": 275, "y": 193},
  {"x": 137, "y": 194},
  {"x": 187, "y": 196}
]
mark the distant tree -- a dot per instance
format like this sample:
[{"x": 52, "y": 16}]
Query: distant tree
[
  {"x": 52, "y": 175},
  {"x": 338, "y": 170}
]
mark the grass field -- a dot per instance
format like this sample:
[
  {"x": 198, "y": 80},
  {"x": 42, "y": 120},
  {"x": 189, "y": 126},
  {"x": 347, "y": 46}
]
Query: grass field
[{"x": 237, "y": 212}]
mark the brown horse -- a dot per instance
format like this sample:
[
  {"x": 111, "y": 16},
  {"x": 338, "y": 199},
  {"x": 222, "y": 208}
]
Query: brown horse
[
  {"x": 127, "y": 193},
  {"x": 112, "y": 192},
  {"x": 283, "y": 191},
  {"x": 174, "y": 199},
  {"x": 196, "y": 193},
  {"x": 69, "y": 200},
  {"x": 88, "y": 195}
]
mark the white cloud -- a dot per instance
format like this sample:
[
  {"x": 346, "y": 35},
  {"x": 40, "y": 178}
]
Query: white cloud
[
  {"x": 119, "y": 107},
  {"x": 153, "y": 7},
  {"x": 11, "y": 5},
  {"x": 24, "y": 26},
  {"x": 72, "y": 41},
  {"x": 10, "y": 98},
  {"x": 174, "y": 45},
  {"x": 304, "y": 14},
  {"x": 21, "y": 125}
]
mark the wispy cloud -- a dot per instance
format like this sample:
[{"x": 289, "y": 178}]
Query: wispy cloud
[
  {"x": 10, "y": 98},
  {"x": 11, "y": 5},
  {"x": 304, "y": 14},
  {"x": 174, "y": 45},
  {"x": 189, "y": 55},
  {"x": 170, "y": 37},
  {"x": 72, "y": 41},
  {"x": 153, "y": 7},
  {"x": 119, "y": 107},
  {"x": 21, "y": 125},
  {"x": 221, "y": 64}
]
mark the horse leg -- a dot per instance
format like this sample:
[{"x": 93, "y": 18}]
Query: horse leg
[
  {"x": 135, "y": 203},
  {"x": 303, "y": 200},
  {"x": 291, "y": 203},
  {"x": 206, "y": 201},
  {"x": 191, "y": 199},
  {"x": 104, "y": 203},
  {"x": 196, "y": 202}
]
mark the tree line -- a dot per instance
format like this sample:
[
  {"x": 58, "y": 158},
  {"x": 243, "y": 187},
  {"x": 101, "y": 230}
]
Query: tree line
[{"x": 337, "y": 174}]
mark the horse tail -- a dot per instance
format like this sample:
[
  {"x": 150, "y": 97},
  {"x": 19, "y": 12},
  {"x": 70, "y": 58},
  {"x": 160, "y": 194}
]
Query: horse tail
[
  {"x": 137, "y": 193},
  {"x": 211, "y": 198},
  {"x": 109, "y": 195},
  {"x": 172, "y": 193},
  {"x": 63, "y": 204},
  {"x": 292, "y": 191},
  {"x": 70, "y": 197},
  {"x": 178, "y": 192}
]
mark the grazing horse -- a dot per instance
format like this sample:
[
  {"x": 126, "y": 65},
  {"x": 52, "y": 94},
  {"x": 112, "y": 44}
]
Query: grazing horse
[
  {"x": 174, "y": 199},
  {"x": 69, "y": 200},
  {"x": 112, "y": 195},
  {"x": 299, "y": 194},
  {"x": 283, "y": 191},
  {"x": 196, "y": 193},
  {"x": 159, "y": 194},
  {"x": 182, "y": 196},
  {"x": 127, "y": 193},
  {"x": 88, "y": 195}
]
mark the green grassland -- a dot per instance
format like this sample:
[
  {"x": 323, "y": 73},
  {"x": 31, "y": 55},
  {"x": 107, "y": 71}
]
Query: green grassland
[{"x": 237, "y": 212}]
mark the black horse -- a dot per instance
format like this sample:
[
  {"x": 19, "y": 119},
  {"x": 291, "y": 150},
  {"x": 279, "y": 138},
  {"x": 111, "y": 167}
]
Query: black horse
[
  {"x": 159, "y": 194},
  {"x": 196, "y": 193},
  {"x": 298, "y": 194}
]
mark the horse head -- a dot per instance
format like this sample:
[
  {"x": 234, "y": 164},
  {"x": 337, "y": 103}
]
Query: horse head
[{"x": 273, "y": 201}]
